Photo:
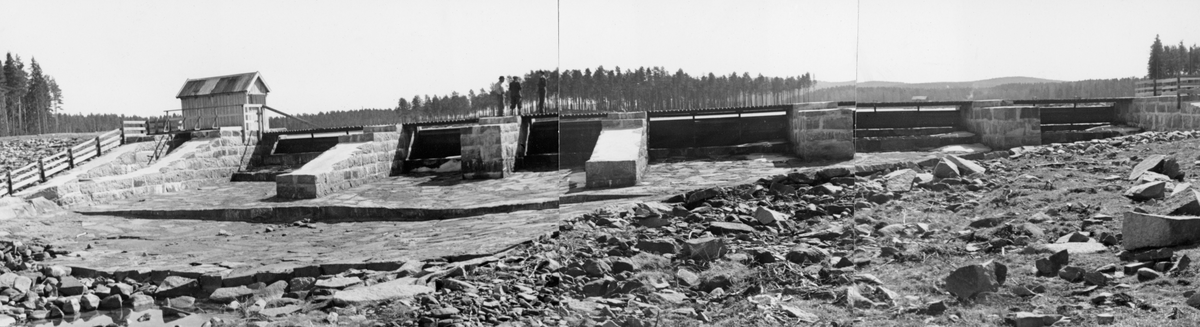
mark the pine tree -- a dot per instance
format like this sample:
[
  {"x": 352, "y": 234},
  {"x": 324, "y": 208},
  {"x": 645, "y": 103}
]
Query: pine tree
[
  {"x": 16, "y": 81},
  {"x": 1155, "y": 67},
  {"x": 5, "y": 122},
  {"x": 37, "y": 99},
  {"x": 56, "y": 100}
]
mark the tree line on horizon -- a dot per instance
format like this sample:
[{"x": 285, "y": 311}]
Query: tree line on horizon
[
  {"x": 1172, "y": 61},
  {"x": 641, "y": 89},
  {"x": 29, "y": 98}
]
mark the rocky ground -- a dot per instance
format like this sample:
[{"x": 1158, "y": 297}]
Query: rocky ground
[
  {"x": 19, "y": 151},
  {"x": 1032, "y": 239}
]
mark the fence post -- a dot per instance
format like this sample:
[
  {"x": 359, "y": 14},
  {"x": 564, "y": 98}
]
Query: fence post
[
  {"x": 8, "y": 175},
  {"x": 42, "y": 169},
  {"x": 71, "y": 158},
  {"x": 122, "y": 133},
  {"x": 99, "y": 149}
]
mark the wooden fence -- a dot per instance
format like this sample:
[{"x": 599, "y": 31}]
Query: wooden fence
[
  {"x": 45, "y": 167},
  {"x": 1167, "y": 86}
]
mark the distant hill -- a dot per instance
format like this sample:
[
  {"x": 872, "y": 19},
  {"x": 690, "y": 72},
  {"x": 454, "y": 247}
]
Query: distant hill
[
  {"x": 996, "y": 88},
  {"x": 970, "y": 84},
  {"x": 827, "y": 84}
]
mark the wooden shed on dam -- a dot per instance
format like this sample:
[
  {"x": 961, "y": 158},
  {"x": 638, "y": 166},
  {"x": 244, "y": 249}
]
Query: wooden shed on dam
[{"x": 224, "y": 101}]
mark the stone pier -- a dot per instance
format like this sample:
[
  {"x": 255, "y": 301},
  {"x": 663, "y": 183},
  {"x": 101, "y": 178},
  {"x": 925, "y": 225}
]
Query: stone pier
[
  {"x": 621, "y": 152},
  {"x": 489, "y": 149},
  {"x": 821, "y": 131},
  {"x": 1001, "y": 125},
  {"x": 355, "y": 160}
]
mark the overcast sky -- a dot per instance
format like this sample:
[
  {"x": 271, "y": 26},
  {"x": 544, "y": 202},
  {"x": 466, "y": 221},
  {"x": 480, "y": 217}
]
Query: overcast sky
[
  {"x": 944, "y": 41},
  {"x": 133, "y": 56}
]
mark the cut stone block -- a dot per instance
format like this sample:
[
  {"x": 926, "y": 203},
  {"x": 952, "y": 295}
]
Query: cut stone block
[
  {"x": 489, "y": 150},
  {"x": 620, "y": 156},
  {"x": 356, "y": 159},
  {"x": 822, "y": 131},
  {"x": 1141, "y": 230}
]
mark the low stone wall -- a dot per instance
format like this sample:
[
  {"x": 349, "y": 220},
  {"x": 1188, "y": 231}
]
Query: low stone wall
[
  {"x": 621, "y": 153},
  {"x": 1162, "y": 113},
  {"x": 207, "y": 158},
  {"x": 821, "y": 131},
  {"x": 355, "y": 160},
  {"x": 489, "y": 149},
  {"x": 1000, "y": 125},
  {"x": 127, "y": 162}
]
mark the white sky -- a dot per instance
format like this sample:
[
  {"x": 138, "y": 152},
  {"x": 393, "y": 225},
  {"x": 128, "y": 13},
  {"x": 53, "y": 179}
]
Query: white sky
[
  {"x": 943, "y": 41},
  {"x": 132, "y": 56}
]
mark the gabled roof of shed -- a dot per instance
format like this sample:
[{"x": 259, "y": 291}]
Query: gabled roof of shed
[{"x": 221, "y": 84}]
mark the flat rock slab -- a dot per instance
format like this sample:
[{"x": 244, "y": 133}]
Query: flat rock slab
[
  {"x": 1072, "y": 248},
  {"x": 379, "y": 200},
  {"x": 402, "y": 288},
  {"x": 338, "y": 282},
  {"x": 1141, "y": 230},
  {"x": 193, "y": 247}
]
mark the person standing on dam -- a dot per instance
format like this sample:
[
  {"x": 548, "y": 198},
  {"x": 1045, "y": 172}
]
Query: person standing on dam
[
  {"x": 541, "y": 91},
  {"x": 514, "y": 91},
  {"x": 498, "y": 90}
]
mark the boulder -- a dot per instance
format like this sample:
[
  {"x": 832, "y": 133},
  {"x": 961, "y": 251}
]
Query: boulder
[
  {"x": 806, "y": 254},
  {"x": 721, "y": 227},
  {"x": 1074, "y": 237},
  {"x": 1142, "y": 230},
  {"x": 707, "y": 248},
  {"x": 176, "y": 286},
  {"x": 70, "y": 305},
  {"x": 56, "y": 271},
  {"x": 229, "y": 294},
  {"x": 968, "y": 281},
  {"x": 620, "y": 265},
  {"x": 1147, "y": 191},
  {"x": 111, "y": 302},
  {"x": 1146, "y": 165},
  {"x": 89, "y": 302},
  {"x": 402, "y": 288},
  {"x": 1146, "y": 274},
  {"x": 854, "y": 298},
  {"x": 69, "y": 286},
  {"x": 1190, "y": 206},
  {"x": 302, "y": 284},
  {"x": 900, "y": 180},
  {"x": 1158, "y": 163},
  {"x": 182, "y": 302},
  {"x": 140, "y": 301},
  {"x": 966, "y": 167},
  {"x": 596, "y": 268},
  {"x": 1072, "y": 274},
  {"x": 946, "y": 169},
  {"x": 768, "y": 216},
  {"x": 659, "y": 246},
  {"x": 687, "y": 277}
]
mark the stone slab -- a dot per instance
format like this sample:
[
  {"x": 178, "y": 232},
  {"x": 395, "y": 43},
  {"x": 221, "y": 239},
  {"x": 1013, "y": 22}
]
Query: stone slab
[{"x": 1141, "y": 230}]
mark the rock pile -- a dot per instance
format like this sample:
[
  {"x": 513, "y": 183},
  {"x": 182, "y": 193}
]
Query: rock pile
[{"x": 18, "y": 152}]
